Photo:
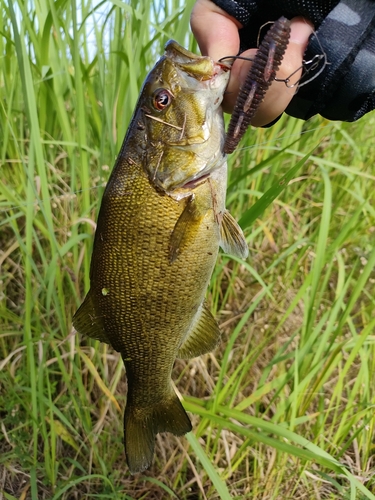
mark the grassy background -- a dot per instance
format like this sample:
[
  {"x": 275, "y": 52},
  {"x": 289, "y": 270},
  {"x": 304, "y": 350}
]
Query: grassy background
[{"x": 285, "y": 407}]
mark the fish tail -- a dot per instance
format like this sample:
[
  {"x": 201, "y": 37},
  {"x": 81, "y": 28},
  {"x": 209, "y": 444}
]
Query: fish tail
[{"x": 142, "y": 424}]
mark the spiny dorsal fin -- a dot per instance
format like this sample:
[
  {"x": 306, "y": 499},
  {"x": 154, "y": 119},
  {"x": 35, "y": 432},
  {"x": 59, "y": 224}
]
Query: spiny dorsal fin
[
  {"x": 184, "y": 229},
  {"x": 87, "y": 323},
  {"x": 203, "y": 337},
  {"x": 232, "y": 238}
]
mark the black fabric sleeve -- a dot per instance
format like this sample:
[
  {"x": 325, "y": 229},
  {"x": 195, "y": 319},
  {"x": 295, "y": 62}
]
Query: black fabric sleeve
[{"x": 345, "y": 32}]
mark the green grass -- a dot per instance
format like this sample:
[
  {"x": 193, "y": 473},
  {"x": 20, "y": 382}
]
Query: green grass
[{"x": 284, "y": 408}]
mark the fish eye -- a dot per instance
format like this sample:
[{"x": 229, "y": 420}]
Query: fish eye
[{"x": 161, "y": 99}]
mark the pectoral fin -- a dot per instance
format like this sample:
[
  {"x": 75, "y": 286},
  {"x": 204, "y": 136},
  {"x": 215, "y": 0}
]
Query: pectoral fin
[
  {"x": 232, "y": 238},
  {"x": 87, "y": 323},
  {"x": 203, "y": 337},
  {"x": 185, "y": 228}
]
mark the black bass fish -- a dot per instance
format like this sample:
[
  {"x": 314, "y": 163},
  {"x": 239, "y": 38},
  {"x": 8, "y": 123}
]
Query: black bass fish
[{"x": 161, "y": 222}]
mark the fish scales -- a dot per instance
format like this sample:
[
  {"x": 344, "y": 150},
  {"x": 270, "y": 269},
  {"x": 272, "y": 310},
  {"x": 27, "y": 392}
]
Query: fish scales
[
  {"x": 160, "y": 225},
  {"x": 153, "y": 285}
]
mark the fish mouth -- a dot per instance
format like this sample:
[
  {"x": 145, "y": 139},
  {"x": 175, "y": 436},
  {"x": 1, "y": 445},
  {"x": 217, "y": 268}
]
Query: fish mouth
[
  {"x": 200, "y": 67},
  {"x": 193, "y": 183},
  {"x": 180, "y": 192}
]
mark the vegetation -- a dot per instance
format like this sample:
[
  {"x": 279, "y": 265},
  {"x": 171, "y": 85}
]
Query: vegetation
[{"x": 285, "y": 407}]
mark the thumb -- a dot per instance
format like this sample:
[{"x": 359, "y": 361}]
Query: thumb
[{"x": 215, "y": 31}]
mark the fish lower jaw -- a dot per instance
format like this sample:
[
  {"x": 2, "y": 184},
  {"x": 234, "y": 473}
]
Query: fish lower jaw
[
  {"x": 187, "y": 188},
  {"x": 195, "y": 182},
  {"x": 211, "y": 169}
]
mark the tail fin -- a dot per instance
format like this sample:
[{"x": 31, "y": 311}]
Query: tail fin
[{"x": 142, "y": 425}]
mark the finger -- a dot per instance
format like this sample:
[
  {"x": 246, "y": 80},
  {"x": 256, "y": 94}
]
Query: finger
[
  {"x": 279, "y": 95},
  {"x": 238, "y": 74},
  {"x": 221, "y": 41}
]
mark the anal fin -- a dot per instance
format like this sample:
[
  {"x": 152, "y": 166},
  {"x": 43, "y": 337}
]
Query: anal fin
[
  {"x": 86, "y": 322},
  {"x": 232, "y": 238},
  {"x": 203, "y": 337}
]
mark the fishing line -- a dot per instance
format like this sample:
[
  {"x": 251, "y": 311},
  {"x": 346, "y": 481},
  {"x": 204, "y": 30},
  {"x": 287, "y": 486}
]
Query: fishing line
[
  {"x": 290, "y": 136},
  {"x": 73, "y": 194},
  {"x": 307, "y": 66},
  {"x": 251, "y": 59},
  {"x": 38, "y": 201}
]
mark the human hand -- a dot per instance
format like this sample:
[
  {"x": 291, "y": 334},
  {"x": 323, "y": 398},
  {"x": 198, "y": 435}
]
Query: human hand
[{"x": 217, "y": 35}]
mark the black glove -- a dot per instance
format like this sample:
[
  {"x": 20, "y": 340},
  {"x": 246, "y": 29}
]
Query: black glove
[{"x": 345, "y": 32}]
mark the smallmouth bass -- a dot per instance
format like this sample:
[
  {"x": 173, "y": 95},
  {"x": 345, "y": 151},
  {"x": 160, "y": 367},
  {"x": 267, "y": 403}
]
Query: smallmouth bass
[{"x": 160, "y": 225}]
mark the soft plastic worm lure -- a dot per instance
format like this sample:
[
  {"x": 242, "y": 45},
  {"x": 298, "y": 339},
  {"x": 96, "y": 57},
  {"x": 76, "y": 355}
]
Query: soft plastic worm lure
[{"x": 263, "y": 71}]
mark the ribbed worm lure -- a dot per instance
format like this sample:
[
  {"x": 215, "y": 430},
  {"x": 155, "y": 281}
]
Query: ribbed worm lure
[{"x": 263, "y": 71}]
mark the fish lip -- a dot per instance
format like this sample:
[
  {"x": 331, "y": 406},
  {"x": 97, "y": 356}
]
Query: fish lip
[
  {"x": 177, "y": 49},
  {"x": 182, "y": 191},
  {"x": 187, "y": 185},
  {"x": 192, "y": 183},
  {"x": 202, "y": 68}
]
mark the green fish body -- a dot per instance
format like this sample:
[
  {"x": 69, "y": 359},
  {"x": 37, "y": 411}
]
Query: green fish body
[{"x": 161, "y": 222}]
